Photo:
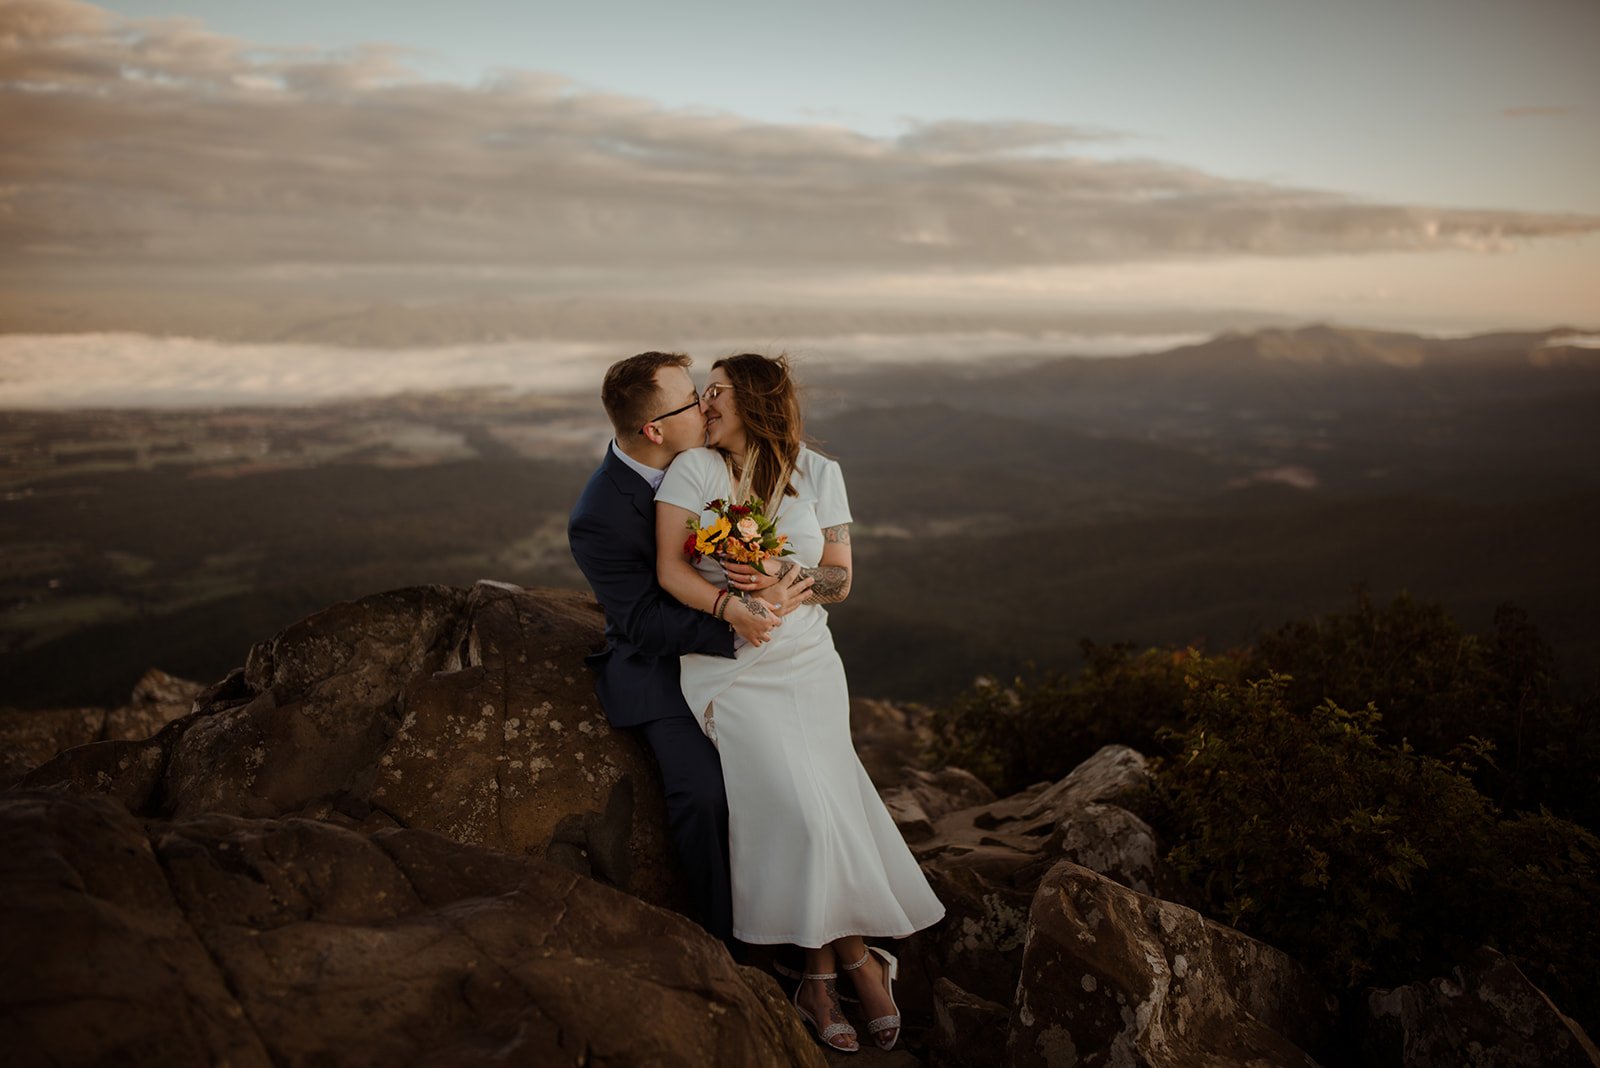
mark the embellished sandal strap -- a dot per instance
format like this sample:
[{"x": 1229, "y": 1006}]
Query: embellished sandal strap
[
  {"x": 833, "y": 1031},
  {"x": 883, "y": 1023},
  {"x": 857, "y": 964}
]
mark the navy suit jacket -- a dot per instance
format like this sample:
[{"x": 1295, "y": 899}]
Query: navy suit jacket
[{"x": 612, "y": 534}]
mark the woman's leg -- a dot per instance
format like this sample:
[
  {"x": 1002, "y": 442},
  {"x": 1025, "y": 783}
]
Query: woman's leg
[
  {"x": 869, "y": 984},
  {"x": 819, "y": 997}
]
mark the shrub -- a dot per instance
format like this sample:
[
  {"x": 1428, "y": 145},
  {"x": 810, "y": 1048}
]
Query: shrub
[
  {"x": 1541, "y": 883},
  {"x": 1040, "y": 728},
  {"x": 1369, "y": 862},
  {"x": 1441, "y": 688}
]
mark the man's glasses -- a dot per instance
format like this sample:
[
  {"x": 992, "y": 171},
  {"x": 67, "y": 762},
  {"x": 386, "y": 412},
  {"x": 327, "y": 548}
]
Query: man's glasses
[{"x": 676, "y": 411}]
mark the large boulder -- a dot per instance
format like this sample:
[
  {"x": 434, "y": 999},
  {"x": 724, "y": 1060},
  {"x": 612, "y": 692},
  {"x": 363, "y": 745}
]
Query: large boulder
[
  {"x": 469, "y": 713},
  {"x": 1082, "y": 818},
  {"x": 158, "y": 698},
  {"x": 1486, "y": 1015},
  {"x": 985, "y": 863},
  {"x": 31, "y": 736},
  {"x": 218, "y": 939},
  {"x": 1114, "y": 977}
]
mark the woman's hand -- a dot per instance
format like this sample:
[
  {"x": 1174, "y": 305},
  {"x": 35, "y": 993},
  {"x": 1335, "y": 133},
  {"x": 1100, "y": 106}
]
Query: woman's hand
[
  {"x": 753, "y": 619},
  {"x": 747, "y": 579},
  {"x": 789, "y": 592}
]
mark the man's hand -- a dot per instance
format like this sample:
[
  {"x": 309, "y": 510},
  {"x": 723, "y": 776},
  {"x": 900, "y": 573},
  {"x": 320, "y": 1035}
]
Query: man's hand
[{"x": 752, "y": 620}]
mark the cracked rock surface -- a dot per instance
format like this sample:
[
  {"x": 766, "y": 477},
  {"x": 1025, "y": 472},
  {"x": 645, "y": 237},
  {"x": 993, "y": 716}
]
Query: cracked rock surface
[
  {"x": 220, "y": 939},
  {"x": 31, "y": 736},
  {"x": 985, "y": 862},
  {"x": 1485, "y": 1015},
  {"x": 1110, "y": 977},
  {"x": 465, "y": 712}
]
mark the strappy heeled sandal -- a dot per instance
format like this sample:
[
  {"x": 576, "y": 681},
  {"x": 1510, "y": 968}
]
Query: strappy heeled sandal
[
  {"x": 891, "y": 1022},
  {"x": 796, "y": 974},
  {"x": 827, "y": 1034}
]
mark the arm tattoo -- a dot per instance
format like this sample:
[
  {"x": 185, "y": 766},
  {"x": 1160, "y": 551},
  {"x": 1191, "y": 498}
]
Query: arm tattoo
[{"x": 829, "y": 583}]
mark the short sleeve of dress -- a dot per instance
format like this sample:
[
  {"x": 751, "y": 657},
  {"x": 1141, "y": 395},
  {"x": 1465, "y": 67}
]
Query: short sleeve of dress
[
  {"x": 833, "y": 507},
  {"x": 693, "y": 478}
]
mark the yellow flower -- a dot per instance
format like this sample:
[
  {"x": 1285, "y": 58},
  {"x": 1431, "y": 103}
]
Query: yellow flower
[{"x": 708, "y": 539}]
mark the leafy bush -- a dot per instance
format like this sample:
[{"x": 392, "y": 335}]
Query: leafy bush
[
  {"x": 1440, "y": 689},
  {"x": 1539, "y": 886},
  {"x": 1368, "y": 862},
  {"x": 1340, "y": 789},
  {"x": 1041, "y": 728}
]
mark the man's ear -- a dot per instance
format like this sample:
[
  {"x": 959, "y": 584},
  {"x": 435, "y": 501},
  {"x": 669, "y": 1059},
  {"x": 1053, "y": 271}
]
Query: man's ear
[{"x": 653, "y": 434}]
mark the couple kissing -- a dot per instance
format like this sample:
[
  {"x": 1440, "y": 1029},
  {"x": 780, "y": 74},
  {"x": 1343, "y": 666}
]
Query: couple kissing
[{"x": 718, "y": 655}]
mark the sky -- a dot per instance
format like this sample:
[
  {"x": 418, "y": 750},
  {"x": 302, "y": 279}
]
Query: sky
[{"x": 255, "y": 172}]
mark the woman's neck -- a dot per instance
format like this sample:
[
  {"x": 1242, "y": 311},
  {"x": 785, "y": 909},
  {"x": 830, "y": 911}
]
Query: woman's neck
[{"x": 740, "y": 459}]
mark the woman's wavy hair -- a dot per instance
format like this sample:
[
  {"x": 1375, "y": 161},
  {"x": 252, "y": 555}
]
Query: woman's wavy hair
[{"x": 768, "y": 403}]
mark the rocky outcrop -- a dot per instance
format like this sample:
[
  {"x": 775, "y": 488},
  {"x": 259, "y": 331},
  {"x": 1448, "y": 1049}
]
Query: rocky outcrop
[
  {"x": 1486, "y": 1015},
  {"x": 1111, "y": 977},
  {"x": 985, "y": 863},
  {"x": 968, "y": 1031},
  {"x": 468, "y": 713},
  {"x": 925, "y": 796},
  {"x": 218, "y": 939},
  {"x": 365, "y": 844},
  {"x": 30, "y": 736}
]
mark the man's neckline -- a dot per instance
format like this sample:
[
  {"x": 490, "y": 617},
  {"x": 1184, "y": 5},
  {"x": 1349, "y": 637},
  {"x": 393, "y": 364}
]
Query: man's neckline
[{"x": 652, "y": 475}]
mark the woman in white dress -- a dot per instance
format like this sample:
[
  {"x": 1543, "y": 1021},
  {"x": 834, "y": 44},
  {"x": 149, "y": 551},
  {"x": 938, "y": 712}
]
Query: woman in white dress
[{"x": 816, "y": 859}]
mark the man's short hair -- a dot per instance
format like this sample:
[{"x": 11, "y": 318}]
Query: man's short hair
[{"x": 629, "y": 392}]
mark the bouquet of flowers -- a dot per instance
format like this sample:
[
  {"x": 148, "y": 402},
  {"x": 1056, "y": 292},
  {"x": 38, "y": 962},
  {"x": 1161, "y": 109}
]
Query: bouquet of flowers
[{"x": 740, "y": 532}]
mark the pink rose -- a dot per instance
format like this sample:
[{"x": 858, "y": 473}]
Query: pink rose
[{"x": 748, "y": 528}]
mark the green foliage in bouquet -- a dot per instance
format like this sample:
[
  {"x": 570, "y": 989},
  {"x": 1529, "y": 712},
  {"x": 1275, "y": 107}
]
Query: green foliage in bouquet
[
  {"x": 1040, "y": 728},
  {"x": 1369, "y": 862}
]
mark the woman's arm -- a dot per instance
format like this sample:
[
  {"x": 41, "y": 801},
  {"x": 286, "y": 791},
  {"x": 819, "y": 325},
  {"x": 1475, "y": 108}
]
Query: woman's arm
[
  {"x": 673, "y": 569},
  {"x": 833, "y": 573},
  {"x": 752, "y": 619},
  {"x": 830, "y": 579}
]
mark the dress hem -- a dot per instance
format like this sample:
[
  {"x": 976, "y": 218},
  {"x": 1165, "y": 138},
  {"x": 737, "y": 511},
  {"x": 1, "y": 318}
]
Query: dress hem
[{"x": 794, "y": 940}]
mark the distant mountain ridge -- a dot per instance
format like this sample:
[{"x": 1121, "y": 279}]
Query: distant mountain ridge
[
  {"x": 1269, "y": 375},
  {"x": 1235, "y": 364},
  {"x": 1321, "y": 344},
  {"x": 1329, "y": 346}
]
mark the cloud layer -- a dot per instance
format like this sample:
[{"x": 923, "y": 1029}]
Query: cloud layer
[
  {"x": 158, "y": 143},
  {"x": 113, "y": 370}
]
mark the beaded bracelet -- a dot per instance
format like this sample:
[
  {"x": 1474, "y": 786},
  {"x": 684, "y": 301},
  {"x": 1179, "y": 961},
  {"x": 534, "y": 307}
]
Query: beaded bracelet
[
  {"x": 718, "y": 604},
  {"x": 722, "y": 608}
]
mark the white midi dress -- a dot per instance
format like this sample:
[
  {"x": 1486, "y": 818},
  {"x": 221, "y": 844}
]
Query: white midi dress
[{"x": 814, "y": 854}]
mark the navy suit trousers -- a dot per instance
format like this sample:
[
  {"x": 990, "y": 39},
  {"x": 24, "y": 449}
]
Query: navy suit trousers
[{"x": 697, "y": 817}]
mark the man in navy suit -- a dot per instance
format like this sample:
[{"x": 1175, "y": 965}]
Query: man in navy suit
[{"x": 655, "y": 411}]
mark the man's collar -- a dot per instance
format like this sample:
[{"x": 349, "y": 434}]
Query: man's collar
[{"x": 649, "y": 474}]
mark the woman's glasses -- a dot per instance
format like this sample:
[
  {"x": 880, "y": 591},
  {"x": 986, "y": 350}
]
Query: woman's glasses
[{"x": 715, "y": 390}]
